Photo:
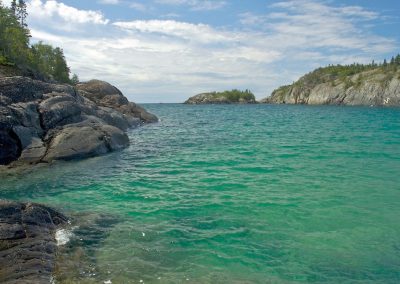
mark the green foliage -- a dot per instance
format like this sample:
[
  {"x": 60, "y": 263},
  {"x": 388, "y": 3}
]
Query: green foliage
[
  {"x": 3, "y": 60},
  {"x": 75, "y": 79},
  {"x": 236, "y": 95},
  {"x": 341, "y": 74},
  {"x": 15, "y": 48},
  {"x": 14, "y": 39},
  {"x": 359, "y": 80},
  {"x": 50, "y": 61}
]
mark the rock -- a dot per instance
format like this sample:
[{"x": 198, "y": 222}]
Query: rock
[
  {"x": 77, "y": 142},
  {"x": 10, "y": 148},
  {"x": 27, "y": 243},
  {"x": 23, "y": 89},
  {"x": 43, "y": 122},
  {"x": 227, "y": 97},
  {"x": 106, "y": 95},
  {"x": 59, "y": 110},
  {"x": 376, "y": 87}
]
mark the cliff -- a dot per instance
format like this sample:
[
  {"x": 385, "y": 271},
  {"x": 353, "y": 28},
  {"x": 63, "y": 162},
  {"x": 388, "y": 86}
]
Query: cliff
[
  {"x": 227, "y": 97},
  {"x": 42, "y": 121},
  {"x": 335, "y": 85}
]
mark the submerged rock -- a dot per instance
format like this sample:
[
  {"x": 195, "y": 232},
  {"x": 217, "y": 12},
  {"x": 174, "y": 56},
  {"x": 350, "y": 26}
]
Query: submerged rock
[
  {"x": 42, "y": 122},
  {"x": 27, "y": 242}
]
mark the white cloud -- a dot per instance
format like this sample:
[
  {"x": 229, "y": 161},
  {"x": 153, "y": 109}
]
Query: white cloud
[
  {"x": 52, "y": 9},
  {"x": 109, "y": 2},
  {"x": 169, "y": 60},
  {"x": 7, "y": 2},
  {"x": 181, "y": 30},
  {"x": 196, "y": 5},
  {"x": 307, "y": 24}
]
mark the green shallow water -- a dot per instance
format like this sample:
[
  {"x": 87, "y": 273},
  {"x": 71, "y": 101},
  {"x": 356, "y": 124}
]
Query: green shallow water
[{"x": 234, "y": 194}]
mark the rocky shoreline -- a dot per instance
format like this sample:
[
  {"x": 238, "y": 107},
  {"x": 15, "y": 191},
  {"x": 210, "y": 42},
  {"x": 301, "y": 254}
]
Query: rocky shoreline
[
  {"x": 227, "y": 97},
  {"x": 41, "y": 122},
  {"x": 375, "y": 87},
  {"x": 27, "y": 242}
]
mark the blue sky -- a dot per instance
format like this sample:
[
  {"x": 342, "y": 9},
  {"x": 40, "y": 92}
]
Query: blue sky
[{"x": 168, "y": 50}]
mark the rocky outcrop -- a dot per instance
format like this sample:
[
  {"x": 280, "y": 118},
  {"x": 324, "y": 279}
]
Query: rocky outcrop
[
  {"x": 375, "y": 87},
  {"x": 27, "y": 242},
  {"x": 228, "y": 97},
  {"x": 109, "y": 97},
  {"x": 42, "y": 122}
]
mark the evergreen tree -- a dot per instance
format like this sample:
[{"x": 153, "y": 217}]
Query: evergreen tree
[
  {"x": 14, "y": 39},
  {"x": 22, "y": 13},
  {"x": 75, "y": 79},
  {"x": 14, "y": 6},
  {"x": 397, "y": 59},
  {"x": 384, "y": 63}
]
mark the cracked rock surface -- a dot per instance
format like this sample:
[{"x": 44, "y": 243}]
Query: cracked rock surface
[
  {"x": 43, "y": 122},
  {"x": 27, "y": 243}
]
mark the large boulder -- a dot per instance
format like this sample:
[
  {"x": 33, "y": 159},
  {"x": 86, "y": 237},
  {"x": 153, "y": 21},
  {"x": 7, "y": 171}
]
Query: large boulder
[
  {"x": 86, "y": 140},
  {"x": 106, "y": 95},
  {"x": 43, "y": 122},
  {"x": 27, "y": 242}
]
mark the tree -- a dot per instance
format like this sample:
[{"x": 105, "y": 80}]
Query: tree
[
  {"x": 75, "y": 79},
  {"x": 50, "y": 61},
  {"x": 22, "y": 13},
  {"x": 61, "y": 69},
  {"x": 397, "y": 59},
  {"x": 14, "y": 6},
  {"x": 14, "y": 39}
]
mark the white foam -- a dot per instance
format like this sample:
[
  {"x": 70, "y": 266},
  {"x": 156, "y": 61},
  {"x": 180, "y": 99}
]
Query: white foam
[
  {"x": 107, "y": 282},
  {"x": 63, "y": 236}
]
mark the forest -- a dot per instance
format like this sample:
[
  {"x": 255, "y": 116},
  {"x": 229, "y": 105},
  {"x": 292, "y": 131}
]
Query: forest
[{"x": 42, "y": 60}]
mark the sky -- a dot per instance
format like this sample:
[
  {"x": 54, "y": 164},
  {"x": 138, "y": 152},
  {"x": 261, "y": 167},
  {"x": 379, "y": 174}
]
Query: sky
[{"x": 168, "y": 50}]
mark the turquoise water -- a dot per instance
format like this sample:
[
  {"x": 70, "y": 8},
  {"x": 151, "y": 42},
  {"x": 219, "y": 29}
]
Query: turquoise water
[{"x": 233, "y": 194}]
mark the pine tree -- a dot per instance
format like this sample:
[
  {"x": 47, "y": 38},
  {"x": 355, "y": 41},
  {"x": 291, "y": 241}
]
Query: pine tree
[
  {"x": 384, "y": 62},
  {"x": 74, "y": 79},
  {"x": 14, "y": 7},
  {"x": 22, "y": 13},
  {"x": 397, "y": 59}
]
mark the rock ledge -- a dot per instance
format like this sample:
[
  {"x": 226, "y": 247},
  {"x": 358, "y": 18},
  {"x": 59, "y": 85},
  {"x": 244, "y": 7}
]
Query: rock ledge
[
  {"x": 43, "y": 122},
  {"x": 27, "y": 242}
]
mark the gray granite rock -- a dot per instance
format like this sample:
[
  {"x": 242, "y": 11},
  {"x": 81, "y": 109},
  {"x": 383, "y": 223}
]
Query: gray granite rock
[
  {"x": 27, "y": 242},
  {"x": 368, "y": 88},
  {"x": 43, "y": 122}
]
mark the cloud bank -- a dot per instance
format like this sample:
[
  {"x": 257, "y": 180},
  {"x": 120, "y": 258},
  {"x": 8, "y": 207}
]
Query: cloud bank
[{"x": 161, "y": 60}]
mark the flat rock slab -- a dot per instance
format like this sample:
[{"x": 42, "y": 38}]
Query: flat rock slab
[{"x": 27, "y": 242}]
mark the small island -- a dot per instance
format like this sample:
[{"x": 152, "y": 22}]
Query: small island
[{"x": 227, "y": 97}]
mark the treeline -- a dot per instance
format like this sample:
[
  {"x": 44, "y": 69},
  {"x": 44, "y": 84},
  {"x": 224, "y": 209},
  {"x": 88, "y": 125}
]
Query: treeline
[
  {"x": 331, "y": 73},
  {"x": 41, "y": 59},
  {"x": 348, "y": 70},
  {"x": 236, "y": 95}
]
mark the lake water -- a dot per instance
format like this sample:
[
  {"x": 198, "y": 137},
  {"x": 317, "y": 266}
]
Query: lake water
[{"x": 233, "y": 194}]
